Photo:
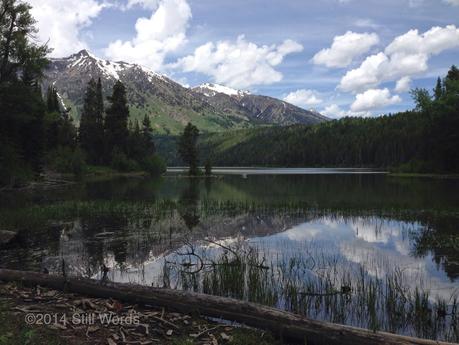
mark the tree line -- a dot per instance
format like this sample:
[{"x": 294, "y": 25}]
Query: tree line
[
  {"x": 37, "y": 133},
  {"x": 425, "y": 139}
]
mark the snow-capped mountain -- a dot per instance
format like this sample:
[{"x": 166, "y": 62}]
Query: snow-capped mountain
[
  {"x": 169, "y": 105},
  {"x": 260, "y": 109}
]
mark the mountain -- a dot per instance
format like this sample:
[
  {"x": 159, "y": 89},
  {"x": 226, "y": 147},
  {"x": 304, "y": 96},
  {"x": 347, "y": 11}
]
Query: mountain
[
  {"x": 257, "y": 108},
  {"x": 170, "y": 105}
]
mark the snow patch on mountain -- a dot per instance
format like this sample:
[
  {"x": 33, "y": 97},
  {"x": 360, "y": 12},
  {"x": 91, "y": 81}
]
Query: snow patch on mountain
[{"x": 209, "y": 90}]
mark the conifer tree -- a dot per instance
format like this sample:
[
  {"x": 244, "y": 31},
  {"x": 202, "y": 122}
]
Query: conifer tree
[
  {"x": 22, "y": 109},
  {"x": 438, "y": 91},
  {"x": 116, "y": 120},
  {"x": 99, "y": 123},
  {"x": 188, "y": 147},
  {"x": 87, "y": 119},
  {"x": 146, "y": 132},
  {"x": 91, "y": 134}
]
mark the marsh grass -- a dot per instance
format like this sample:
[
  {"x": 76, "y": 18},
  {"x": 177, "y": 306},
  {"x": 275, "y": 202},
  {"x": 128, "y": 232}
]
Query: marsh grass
[
  {"x": 320, "y": 286},
  {"x": 40, "y": 214},
  {"x": 311, "y": 282}
]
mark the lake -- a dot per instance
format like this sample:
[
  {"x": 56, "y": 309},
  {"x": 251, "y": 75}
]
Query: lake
[{"x": 351, "y": 246}]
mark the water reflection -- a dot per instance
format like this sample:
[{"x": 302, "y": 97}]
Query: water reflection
[{"x": 349, "y": 226}]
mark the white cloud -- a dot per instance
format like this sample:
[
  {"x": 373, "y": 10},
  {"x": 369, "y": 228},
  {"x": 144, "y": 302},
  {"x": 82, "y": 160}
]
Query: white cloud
[
  {"x": 403, "y": 85},
  {"x": 345, "y": 48},
  {"x": 335, "y": 112},
  {"x": 60, "y": 22},
  {"x": 162, "y": 33},
  {"x": 240, "y": 64},
  {"x": 374, "y": 99},
  {"x": 303, "y": 98},
  {"x": 452, "y": 2},
  {"x": 147, "y": 4},
  {"x": 431, "y": 42},
  {"x": 407, "y": 55}
]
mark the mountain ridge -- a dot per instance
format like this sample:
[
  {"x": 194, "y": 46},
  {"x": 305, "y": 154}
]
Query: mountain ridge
[{"x": 170, "y": 106}]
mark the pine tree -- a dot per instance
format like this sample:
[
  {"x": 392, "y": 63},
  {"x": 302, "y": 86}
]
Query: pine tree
[
  {"x": 99, "y": 123},
  {"x": 91, "y": 124},
  {"x": 22, "y": 109},
  {"x": 49, "y": 99},
  {"x": 87, "y": 120},
  {"x": 146, "y": 132},
  {"x": 438, "y": 91},
  {"x": 188, "y": 148},
  {"x": 116, "y": 120},
  {"x": 453, "y": 73}
]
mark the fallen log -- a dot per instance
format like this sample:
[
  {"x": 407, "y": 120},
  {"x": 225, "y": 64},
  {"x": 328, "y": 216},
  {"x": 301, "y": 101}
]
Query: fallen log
[{"x": 284, "y": 324}]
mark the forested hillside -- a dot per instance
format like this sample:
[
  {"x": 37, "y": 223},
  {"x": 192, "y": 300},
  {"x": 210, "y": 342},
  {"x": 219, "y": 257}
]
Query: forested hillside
[
  {"x": 36, "y": 132},
  {"x": 425, "y": 139}
]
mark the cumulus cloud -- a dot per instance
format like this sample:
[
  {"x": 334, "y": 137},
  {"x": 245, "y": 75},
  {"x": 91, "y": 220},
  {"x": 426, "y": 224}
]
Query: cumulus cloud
[
  {"x": 162, "y": 33},
  {"x": 452, "y": 2},
  {"x": 303, "y": 98},
  {"x": 374, "y": 99},
  {"x": 403, "y": 85},
  {"x": 239, "y": 64},
  {"x": 59, "y": 22},
  {"x": 335, "y": 112},
  {"x": 407, "y": 55},
  {"x": 345, "y": 48}
]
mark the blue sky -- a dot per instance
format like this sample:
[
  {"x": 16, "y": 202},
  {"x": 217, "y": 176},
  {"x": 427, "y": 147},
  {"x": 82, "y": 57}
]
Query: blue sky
[{"x": 341, "y": 57}]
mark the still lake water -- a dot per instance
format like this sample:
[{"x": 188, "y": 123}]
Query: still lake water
[{"x": 342, "y": 245}]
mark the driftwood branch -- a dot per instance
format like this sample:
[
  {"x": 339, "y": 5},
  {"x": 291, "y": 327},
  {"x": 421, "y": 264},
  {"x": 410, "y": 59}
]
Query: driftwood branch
[{"x": 285, "y": 324}]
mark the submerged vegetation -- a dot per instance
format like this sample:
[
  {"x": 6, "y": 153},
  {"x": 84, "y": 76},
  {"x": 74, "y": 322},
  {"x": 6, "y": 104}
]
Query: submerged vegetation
[
  {"x": 368, "y": 251},
  {"x": 316, "y": 284}
]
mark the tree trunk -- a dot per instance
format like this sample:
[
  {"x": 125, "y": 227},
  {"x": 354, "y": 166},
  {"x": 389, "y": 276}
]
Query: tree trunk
[{"x": 284, "y": 324}]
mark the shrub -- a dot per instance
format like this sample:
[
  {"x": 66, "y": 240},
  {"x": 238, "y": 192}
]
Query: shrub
[
  {"x": 415, "y": 166},
  {"x": 14, "y": 172},
  {"x": 64, "y": 159},
  {"x": 121, "y": 162},
  {"x": 154, "y": 165}
]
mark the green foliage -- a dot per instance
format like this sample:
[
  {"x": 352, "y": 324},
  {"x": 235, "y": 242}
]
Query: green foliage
[
  {"x": 65, "y": 159},
  {"x": 422, "y": 99},
  {"x": 116, "y": 120},
  {"x": 21, "y": 122},
  {"x": 19, "y": 55},
  {"x": 424, "y": 140},
  {"x": 14, "y": 171},
  {"x": 121, "y": 162},
  {"x": 52, "y": 101},
  {"x": 154, "y": 165},
  {"x": 21, "y": 107},
  {"x": 188, "y": 147},
  {"x": 91, "y": 133},
  {"x": 438, "y": 91}
]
